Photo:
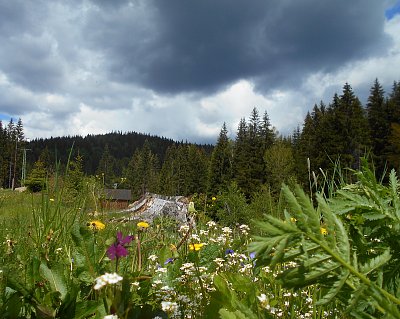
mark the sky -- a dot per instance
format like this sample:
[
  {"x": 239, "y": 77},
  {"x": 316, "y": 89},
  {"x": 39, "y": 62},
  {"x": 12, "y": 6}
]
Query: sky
[{"x": 180, "y": 69}]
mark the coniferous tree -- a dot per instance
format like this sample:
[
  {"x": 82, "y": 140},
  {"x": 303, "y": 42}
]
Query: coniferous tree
[
  {"x": 75, "y": 177},
  {"x": 3, "y": 158},
  {"x": 197, "y": 170},
  {"x": 142, "y": 171},
  {"x": 268, "y": 135},
  {"x": 256, "y": 152},
  {"x": 10, "y": 151},
  {"x": 249, "y": 166},
  {"x": 241, "y": 165},
  {"x": 167, "y": 179},
  {"x": 393, "y": 107},
  {"x": 106, "y": 168},
  {"x": 220, "y": 169},
  {"x": 48, "y": 162},
  {"x": 379, "y": 125},
  {"x": 268, "y": 138},
  {"x": 394, "y": 141},
  {"x": 37, "y": 178},
  {"x": 181, "y": 169},
  {"x": 354, "y": 126}
]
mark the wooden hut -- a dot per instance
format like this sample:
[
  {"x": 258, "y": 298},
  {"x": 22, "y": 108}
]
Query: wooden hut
[{"x": 116, "y": 198}]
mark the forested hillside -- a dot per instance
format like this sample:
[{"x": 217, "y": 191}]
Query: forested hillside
[{"x": 258, "y": 158}]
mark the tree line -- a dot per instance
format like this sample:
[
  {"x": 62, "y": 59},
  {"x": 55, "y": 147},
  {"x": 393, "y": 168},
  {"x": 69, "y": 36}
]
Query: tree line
[
  {"x": 12, "y": 150},
  {"x": 258, "y": 157}
]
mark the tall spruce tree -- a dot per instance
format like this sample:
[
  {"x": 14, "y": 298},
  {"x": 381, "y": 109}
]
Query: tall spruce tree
[
  {"x": 379, "y": 125},
  {"x": 393, "y": 106},
  {"x": 256, "y": 153},
  {"x": 197, "y": 170},
  {"x": 167, "y": 184},
  {"x": 142, "y": 171},
  {"x": 220, "y": 169},
  {"x": 106, "y": 169},
  {"x": 3, "y": 165},
  {"x": 241, "y": 165},
  {"x": 351, "y": 128}
]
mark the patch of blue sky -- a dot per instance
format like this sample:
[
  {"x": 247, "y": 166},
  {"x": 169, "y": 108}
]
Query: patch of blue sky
[
  {"x": 393, "y": 10},
  {"x": 4, "y": 117}
]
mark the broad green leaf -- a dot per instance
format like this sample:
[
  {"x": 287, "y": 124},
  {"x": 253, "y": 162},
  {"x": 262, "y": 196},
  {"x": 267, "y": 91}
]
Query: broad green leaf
[
  {"x": 225, "y": 314},
  {"x": 86, "y": 308},
  {"x": 55, "y": 277}
]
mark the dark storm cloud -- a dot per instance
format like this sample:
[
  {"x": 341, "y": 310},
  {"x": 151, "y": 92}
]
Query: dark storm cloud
[
  {"x": 26, "y": 55},
  {"x": 174, "y": 46},
  {"x": 29, "y": 62}
]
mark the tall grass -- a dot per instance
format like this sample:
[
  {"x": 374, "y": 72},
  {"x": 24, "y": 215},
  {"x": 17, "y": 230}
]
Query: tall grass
[{"x": 64, "y": 262}]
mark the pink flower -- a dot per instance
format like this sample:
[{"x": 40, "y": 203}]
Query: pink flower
[{"x": 118, "y": 249}]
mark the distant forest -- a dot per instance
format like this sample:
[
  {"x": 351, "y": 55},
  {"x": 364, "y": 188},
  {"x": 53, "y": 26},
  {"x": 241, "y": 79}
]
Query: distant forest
[{"x": 341, "y": 132}]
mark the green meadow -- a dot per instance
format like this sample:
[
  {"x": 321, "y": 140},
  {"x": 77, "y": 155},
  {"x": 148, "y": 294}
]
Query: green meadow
[{"x": 308, "y": 256}]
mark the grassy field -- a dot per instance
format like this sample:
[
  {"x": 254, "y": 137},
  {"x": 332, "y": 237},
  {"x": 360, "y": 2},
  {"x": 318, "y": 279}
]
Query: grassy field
[{"x": 326, "y": 258}]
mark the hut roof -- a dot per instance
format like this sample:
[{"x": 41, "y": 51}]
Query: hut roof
[{"x": 118, "y": 194}]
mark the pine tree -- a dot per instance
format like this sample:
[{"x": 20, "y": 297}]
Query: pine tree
[
  {"x": 348, "y": 127},
  {"x": 255, "y": 154},
  {"x": 220, "y": 169},
  {"x": 167, "y": 179},
  {"x": 106, "y": 168},
  {"x": 48, "y": 162},
  {"x": 142, "y": 171},
  {"x": 197, "y": 170},
  {"x": 393, "y": 107},
  {"x": 3, "y": 160},
  {"x": 241, "y": 165},
  {"x": 37, "y": 178},
  {"x": 379, "y": 125},
  {"x": 267, "y": 133},
  {"x": 75, "y": 177}
]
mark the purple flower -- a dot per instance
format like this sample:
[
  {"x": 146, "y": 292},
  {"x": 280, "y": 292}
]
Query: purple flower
[
  {"x": 229, "y": 252},
  {"x": 169, "y": 261},
  {"x": 118, "y": 249},
  {"x": 252, "y": 255}
]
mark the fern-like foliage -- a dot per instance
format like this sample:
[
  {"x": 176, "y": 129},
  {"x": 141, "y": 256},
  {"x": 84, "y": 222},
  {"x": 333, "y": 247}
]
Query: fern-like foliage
[{"x": 348, "y": 245}]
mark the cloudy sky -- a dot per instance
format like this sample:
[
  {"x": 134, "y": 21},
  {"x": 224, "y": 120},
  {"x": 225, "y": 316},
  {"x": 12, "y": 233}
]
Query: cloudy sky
[{"x": 179, "y": 68}]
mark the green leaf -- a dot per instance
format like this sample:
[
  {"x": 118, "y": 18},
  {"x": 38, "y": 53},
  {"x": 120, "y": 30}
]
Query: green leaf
[
  {"x": 279, "y": 252},
  {"x": 304, "y": 276},
  {"x": 67, "y": 307},
  {"x": 84, "y": 309},
  {"x": 296, "y": 209},
  {"x": 313, "y": 220},
  {"x": 376, "y": 262},
  {"x": 225, "y": 292},
  {"x": 225, "y": 314},
  {"x": 334, "y": 290},
  {"x": 55, "y": 277}
]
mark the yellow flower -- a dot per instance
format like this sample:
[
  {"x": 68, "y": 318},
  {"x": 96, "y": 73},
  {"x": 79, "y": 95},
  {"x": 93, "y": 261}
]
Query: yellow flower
[
  {"x": 214, "y": 198},
  {"x": 323, "y": 231},
  {"x": 96, "y": 225},
  {"x": 142, "y": 225},
  {"x": 195, "y": 247},
  {"x": 51, "y": 199},
  {"x": 293, "y": 220}
]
